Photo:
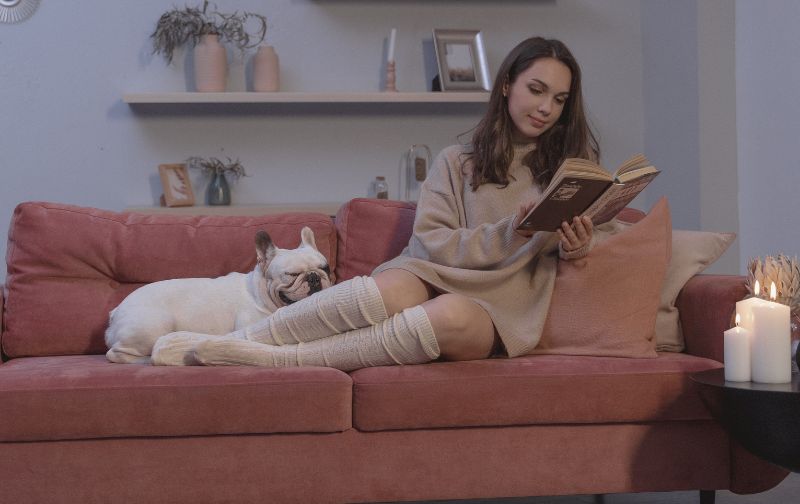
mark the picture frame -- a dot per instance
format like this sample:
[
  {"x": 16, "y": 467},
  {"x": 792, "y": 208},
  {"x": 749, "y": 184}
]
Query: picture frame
[
  {"x": 461, "y": 59},
  {"x": 176, "y": 185}
]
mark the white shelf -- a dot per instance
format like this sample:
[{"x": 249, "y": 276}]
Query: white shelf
[
  {"x": 286, "y": 97},
  {"x": 327, "y": 208}
]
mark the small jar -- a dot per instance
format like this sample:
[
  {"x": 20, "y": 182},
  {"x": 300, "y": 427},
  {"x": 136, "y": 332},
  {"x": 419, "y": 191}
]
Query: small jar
[{"x": 380, "y": 189}]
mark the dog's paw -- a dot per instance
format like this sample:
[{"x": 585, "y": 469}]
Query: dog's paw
[{"x": 177, "y": 349}]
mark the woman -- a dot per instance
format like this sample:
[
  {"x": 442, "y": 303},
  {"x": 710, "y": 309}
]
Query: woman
[{"x": 468, "y": 281}]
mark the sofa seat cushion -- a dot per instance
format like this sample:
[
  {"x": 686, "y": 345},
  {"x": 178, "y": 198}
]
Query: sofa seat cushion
[
  {"x": 529, "y": 390},
  {"x": 80, "y": 397}
]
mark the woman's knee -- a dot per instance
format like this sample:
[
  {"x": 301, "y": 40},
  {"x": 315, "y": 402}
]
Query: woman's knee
[
  {"x": 463, "y": 328},
  {"x": 401, "y": 289}
]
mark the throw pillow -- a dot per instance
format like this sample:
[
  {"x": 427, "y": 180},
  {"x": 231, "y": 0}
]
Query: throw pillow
[
  {"x": 606, "y": 303},
  {"x": 692, "y": 252}
]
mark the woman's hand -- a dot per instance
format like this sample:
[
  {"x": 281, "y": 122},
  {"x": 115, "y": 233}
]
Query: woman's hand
[
  {"x": 577, "y": 235},
  {"x": 521, "y": 213}
]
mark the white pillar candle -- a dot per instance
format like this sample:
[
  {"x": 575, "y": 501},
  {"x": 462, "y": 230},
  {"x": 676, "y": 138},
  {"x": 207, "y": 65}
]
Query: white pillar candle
[
  {"x": 737, "y": 353},
  {"x": 771, "y": 348},
  {"x": 392, "y": 38},
  {"x": 744, "y": 309}
]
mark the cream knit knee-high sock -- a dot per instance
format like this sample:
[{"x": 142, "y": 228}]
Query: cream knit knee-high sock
[
  {"x": 352, "y": 304},
  {"x": 405, "y": 338}
]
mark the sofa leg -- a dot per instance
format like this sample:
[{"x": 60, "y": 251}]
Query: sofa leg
[
  {"x": 599, "y": 499},
  {"x": 707, "y": 496}
]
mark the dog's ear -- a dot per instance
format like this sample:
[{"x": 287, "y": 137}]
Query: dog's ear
[
  {"x": 265, "y": 249},
  {"x": 308, "y": 237}
]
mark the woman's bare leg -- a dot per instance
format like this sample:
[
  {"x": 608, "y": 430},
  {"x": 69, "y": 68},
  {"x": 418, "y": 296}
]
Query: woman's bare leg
[
  {"x": 401, "y": 289},
  {"x": 463, "y": 329}
]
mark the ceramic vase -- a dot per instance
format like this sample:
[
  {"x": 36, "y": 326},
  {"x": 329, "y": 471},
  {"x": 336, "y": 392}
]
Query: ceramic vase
[
  {"x": 218, "y": 192},
  {"x": 266, "y": 69},
  {"x": 210, "y": 65}
]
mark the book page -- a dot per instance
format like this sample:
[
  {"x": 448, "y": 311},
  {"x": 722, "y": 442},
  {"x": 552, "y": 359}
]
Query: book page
[
  {"x": 617, "y": 197},
  {"x": 633, "y": 168},
  {"x": 583, "y": 168}
]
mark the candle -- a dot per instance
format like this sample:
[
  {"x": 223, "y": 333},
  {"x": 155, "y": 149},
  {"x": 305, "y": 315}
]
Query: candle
[
  {"x": 771, "y": 348},
  {"x": 744, "y": 308},
  {"x": 392, "y": 38},
  {"x": 737, "y": 353}
]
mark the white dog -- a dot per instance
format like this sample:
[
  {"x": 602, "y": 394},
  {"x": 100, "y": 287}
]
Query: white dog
[{"x": 216, "y": 306}]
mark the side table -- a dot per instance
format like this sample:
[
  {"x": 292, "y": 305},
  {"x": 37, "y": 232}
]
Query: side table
[{"x": 763, "y": 417}]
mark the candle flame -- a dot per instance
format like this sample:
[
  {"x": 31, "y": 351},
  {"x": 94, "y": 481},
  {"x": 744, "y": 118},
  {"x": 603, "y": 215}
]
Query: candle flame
[
  {"x": 757, "y": 289},
  {"x": 738, "y": 319},
  {"x": 773, "y": 292}
]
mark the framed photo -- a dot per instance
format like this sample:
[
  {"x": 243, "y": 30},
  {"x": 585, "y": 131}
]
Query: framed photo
[
  {"x": 176, "y": 184},
  {"x": 461, "y": 59}
]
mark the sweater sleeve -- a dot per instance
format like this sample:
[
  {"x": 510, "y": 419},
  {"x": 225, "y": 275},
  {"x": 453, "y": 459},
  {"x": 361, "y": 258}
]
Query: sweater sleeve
[{"x": 440, "y": 233}]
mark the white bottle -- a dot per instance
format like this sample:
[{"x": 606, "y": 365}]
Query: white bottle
[{"x": 379, "y": 188}]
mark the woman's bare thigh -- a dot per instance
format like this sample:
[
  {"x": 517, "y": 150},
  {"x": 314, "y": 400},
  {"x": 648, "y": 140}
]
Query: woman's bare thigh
[
  {"x": 401, "y": 289},
  {"x": 463, "y": 329}
]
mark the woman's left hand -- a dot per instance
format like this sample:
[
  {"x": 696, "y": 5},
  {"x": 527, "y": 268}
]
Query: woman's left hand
[{"x": 577, "y": 235}]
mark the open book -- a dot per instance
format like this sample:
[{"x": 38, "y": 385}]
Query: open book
[{"x": 581, "y": 187}]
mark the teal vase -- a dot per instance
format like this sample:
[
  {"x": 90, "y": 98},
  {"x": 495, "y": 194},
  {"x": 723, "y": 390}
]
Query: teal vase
[{"x": 218, "y": 192}]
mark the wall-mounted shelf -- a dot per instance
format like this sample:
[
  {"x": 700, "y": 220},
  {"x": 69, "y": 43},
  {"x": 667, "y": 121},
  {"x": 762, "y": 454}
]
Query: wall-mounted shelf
[{"x": 286, "y": 97}]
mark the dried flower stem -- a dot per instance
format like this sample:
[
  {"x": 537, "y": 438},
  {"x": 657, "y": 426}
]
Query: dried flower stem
[
  {"x": 215, "y": 166},
  {"x": 783, "y": 271}
]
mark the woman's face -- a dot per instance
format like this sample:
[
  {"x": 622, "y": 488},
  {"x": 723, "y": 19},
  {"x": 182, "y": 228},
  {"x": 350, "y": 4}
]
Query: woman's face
[{"x": 536, "y": 99}]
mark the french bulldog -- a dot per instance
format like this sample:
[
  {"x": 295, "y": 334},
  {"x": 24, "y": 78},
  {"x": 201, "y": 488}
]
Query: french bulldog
[{"x": 216, "y": 306}]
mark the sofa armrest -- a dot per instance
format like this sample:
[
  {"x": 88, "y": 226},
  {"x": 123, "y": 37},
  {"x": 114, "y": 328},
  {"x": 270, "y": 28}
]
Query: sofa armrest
[
  {"x": 2, "y": 312},
  {"x": 706, "y": 305}
]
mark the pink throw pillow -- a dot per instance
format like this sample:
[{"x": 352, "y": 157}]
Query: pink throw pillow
[{"x": 606, "y": 303}]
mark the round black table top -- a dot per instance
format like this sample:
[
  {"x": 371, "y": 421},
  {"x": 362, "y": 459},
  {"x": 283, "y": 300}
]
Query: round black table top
[
  {"x": 762, "y": 417},
  {"x": 716, "y": 378}
]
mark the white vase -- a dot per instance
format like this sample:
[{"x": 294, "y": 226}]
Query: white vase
[
  {"x": 266, "y": 69},
  {"x": 210, "y": 65}
]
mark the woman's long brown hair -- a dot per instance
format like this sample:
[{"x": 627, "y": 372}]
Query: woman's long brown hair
[{"x": 492, "y": 150}]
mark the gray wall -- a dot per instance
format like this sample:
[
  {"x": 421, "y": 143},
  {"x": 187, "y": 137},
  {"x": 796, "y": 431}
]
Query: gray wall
[
  {"x": 768, "y": 125},
  {"x": 690, "y": 114},
  {"x": 658, "y": 79},
  {"x": 68, "y": 137}
]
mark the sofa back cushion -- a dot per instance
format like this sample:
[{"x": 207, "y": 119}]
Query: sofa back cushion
[
  {"x": 69, "y": 266},
  {"x": 371, "y": 231}
]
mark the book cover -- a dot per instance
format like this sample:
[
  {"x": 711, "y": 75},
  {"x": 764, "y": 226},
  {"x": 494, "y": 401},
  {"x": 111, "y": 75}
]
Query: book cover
[{"x": 571, "y": 197}]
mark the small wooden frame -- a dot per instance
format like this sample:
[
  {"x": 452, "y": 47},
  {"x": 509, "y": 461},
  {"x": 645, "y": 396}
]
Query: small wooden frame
[{"x": 176, "y": 184}]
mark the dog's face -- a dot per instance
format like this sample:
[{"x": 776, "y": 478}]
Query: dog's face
[{"x": 292, "y": 274}]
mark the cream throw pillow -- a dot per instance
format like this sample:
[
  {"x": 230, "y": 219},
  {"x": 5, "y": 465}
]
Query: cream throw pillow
[{"x": 692, "y": 252}]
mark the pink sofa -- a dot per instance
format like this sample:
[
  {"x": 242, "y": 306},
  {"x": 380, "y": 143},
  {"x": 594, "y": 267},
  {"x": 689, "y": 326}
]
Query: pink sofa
[{"x": 76, "y": 428}]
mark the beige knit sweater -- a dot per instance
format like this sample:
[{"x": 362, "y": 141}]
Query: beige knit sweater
[{"x": 464, "y": 242}]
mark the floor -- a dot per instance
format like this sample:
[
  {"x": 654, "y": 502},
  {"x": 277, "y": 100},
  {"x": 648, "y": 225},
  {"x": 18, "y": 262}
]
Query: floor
[{"x": 788, "y": 492}]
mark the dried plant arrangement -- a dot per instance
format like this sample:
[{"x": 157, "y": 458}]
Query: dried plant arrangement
[
  {"x": 215, "y": 166},
  {"x": 782, "y": 270},
  {"x": 178, "y": 27}
]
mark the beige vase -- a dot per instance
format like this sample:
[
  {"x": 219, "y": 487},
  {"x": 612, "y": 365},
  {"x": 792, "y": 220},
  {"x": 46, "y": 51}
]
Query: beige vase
[
  {"x": 210, "y": 65},
  {"x": 266, "y": 69}
]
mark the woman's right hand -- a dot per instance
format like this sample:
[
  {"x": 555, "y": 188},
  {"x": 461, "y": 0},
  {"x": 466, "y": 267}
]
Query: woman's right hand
[{"x": 521, "y": 213}]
